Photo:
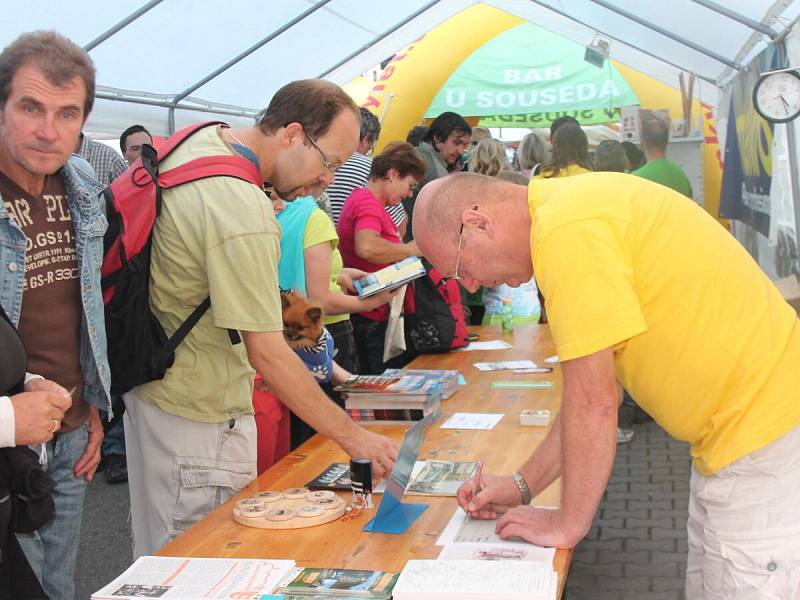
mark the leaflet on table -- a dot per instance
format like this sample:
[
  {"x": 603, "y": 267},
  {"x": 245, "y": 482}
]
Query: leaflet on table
[
  {"x": 390, "y": 277},
  {"x": 428, "y": 478},
  {"x": 339, "y": 583},
  {"x": 484, "y": 421},
  {"x": 476, "y": 538},
  {"x": 485, "y": 345},
  {"x": 191, "y": 578},
  {"x": 503, "y": 365}
]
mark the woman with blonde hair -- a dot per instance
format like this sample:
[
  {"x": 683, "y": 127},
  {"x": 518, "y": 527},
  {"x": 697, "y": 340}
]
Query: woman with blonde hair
[
  {"x": 531, "y": 153},
  {"x": 488, "y": 158}
]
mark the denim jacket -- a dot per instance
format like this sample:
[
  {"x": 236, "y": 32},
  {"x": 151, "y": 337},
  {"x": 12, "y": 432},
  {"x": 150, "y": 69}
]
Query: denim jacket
[{"x": 90, "y": 225}]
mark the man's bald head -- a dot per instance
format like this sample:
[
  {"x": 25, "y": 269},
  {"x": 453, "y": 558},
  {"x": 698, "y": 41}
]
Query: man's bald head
[
  {"x": 478, "y": 203},
  {"x": 440, "y": 204}
]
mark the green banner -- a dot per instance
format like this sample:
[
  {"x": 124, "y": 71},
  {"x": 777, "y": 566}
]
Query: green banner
[
  {"x": 585, "y": 117},
  {"x": 529, "y": 70}
]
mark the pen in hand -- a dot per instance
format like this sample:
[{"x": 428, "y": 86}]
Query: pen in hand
[
  {"x": 477, "y": 487},
  {"x": 43, "y": 447}
]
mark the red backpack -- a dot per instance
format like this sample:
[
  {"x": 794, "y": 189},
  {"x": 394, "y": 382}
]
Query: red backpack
[
  {"x": 438, "y": 324},
  {"x": 138, "y": 348}
]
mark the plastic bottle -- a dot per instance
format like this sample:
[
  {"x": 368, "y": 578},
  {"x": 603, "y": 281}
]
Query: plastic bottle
[{"x": 508, "y": 316}]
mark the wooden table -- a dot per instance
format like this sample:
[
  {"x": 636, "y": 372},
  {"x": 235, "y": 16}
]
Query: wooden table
[{"x": 342, "y": 544}]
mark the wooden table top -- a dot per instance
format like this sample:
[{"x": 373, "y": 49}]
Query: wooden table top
[{"x": 342, "y": 544}]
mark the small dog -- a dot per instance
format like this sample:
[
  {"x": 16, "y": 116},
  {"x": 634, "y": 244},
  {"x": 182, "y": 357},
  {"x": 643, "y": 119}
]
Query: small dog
[{"x": 306, "y": 335}]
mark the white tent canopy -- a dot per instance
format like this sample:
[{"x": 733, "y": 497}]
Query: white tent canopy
[{"x": 173, "y": 52}]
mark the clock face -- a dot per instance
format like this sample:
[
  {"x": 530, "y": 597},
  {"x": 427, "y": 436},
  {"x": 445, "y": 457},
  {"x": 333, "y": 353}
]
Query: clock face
[{"x": 777, "y": 96}]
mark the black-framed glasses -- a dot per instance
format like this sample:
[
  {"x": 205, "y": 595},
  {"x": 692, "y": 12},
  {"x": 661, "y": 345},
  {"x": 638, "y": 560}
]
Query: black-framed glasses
[
  {"x": 327, "y": 163},
  {"x": 455, "y": 276}
]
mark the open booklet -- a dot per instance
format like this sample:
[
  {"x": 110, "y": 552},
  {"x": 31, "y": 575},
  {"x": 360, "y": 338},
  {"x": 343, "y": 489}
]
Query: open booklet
[
  {"x": 476, "y": 580},
  {"x": 391, "y": 277},
  {"x": 192, "y": 578},
  {"x": 428, "y": 478}
]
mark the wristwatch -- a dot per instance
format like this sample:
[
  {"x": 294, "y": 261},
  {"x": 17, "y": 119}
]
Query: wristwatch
[{"x": 527, "y": 498}]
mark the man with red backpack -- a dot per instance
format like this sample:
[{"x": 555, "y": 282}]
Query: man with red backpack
[{"x": 191, "y": 436}]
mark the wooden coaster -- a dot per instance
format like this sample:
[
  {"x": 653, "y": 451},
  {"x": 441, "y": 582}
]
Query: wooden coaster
[
  {"x": 291, "y": 509},
  {"x": 268, "y": 496}
]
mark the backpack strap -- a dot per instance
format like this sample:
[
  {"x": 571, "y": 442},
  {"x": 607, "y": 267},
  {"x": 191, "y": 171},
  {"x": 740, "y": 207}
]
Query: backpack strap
[
  {"x": 179, "y": 137},
  {"x": 182, "y": 331},
  {"x": 211, "y": 166}
]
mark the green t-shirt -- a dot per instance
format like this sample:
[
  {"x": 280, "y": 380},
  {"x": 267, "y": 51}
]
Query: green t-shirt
[
  {"x": 319, "y": 229},
  {"x": 216, "y": 237},
  {"x": 667, "y": 173}
]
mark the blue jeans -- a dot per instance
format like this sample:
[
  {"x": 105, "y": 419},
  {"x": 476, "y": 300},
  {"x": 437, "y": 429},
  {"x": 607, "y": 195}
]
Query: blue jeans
[
  {"x": 53, "y": 550},
  {"x": 114, "y": 441}
]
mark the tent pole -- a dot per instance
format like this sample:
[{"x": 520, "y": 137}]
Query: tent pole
[
  {"x": 669, "y": 34},
  {"x": 375, "y": 40},
  {"x": 122, "y": 24},
  {"x": 242, "y": 112},
  {"x": 604, "y": 34},
  {"x": 732, "y": 14},
  {"x": 794, "y": 176},
  {"x": 242, "y": 55}
]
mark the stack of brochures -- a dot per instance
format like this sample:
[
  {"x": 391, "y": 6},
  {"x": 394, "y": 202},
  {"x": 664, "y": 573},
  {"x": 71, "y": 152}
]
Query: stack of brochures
[
  {"x": 447, "y": 378},
  {"x": 314, "y": 582},
  {"x": 392, "y": 398},
  {"x": 391, "y": 277}
]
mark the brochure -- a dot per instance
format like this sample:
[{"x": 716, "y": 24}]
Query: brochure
[
  {"x": 340, "y": 583},
  {"x": 428, "y": 478},
  {"x": 185, "y": 578},
  {"x": 390, "y": 277}
]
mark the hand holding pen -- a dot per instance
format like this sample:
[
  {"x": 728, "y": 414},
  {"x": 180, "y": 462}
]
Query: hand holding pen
[{"x": 486, "y": 496}]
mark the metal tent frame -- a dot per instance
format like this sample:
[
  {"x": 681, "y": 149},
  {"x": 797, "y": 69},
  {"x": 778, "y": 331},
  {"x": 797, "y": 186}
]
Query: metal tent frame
[{"x": 185, "y": 101}]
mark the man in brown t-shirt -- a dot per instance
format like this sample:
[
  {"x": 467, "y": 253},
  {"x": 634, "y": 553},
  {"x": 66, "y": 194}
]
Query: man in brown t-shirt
[
  {"x": 51, "y": 228},
  {"x": 50, "y": 318}
]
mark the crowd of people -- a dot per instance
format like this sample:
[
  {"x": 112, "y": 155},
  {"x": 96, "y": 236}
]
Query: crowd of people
[{"x": 635, "y": 300}]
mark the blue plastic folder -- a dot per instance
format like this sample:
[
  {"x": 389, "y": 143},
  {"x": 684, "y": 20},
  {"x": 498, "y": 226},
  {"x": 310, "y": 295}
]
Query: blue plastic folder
[{"x": 393, "y": 516}]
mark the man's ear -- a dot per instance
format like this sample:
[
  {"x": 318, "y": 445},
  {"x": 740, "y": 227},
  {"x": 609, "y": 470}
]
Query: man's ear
[
  {"x": 292, "y": 132},
  {"x": 476, "y": 219}
]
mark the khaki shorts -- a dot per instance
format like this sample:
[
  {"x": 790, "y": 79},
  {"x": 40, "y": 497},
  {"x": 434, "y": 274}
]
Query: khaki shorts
[
  {"x": 744, "y": 527},
  {"x": 180, "y": 470}
]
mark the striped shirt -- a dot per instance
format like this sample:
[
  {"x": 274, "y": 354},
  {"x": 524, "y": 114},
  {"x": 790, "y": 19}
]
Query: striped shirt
[
  {"x": 353, "y": 175},
  {"x": 107, "y": 163}
]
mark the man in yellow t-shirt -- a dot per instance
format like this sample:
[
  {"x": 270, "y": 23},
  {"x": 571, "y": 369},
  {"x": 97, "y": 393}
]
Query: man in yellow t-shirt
[
  {"x": 644, "y": 290},
  {"x": 191, "y": 436}
]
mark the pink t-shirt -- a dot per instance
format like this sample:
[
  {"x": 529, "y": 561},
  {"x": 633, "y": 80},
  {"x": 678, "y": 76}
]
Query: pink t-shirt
[{"x": 362, "y": 210}]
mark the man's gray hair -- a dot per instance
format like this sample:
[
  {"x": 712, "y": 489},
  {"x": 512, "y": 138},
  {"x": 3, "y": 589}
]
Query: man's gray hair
[
  {"x": 60, "y": 59},
  {"x": 370, "y": 126}
]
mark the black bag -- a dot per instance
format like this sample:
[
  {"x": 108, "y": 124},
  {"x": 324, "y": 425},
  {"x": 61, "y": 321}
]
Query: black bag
[
  {"x": 138, "y": 348},
  {"x": 26, "y": 504},
  {"x": 439, "y": 323}
]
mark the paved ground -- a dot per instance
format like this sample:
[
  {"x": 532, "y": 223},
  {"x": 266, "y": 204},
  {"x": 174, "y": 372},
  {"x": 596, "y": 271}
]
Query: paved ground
[
  {"x": 635, "y": 550},
  {"x": 105, "y": 547}
]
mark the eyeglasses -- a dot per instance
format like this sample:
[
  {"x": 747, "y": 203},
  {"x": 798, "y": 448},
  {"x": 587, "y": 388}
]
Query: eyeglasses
[
  {"x": 455, "y": 276},
  {"x": 325, "y": 160}
]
